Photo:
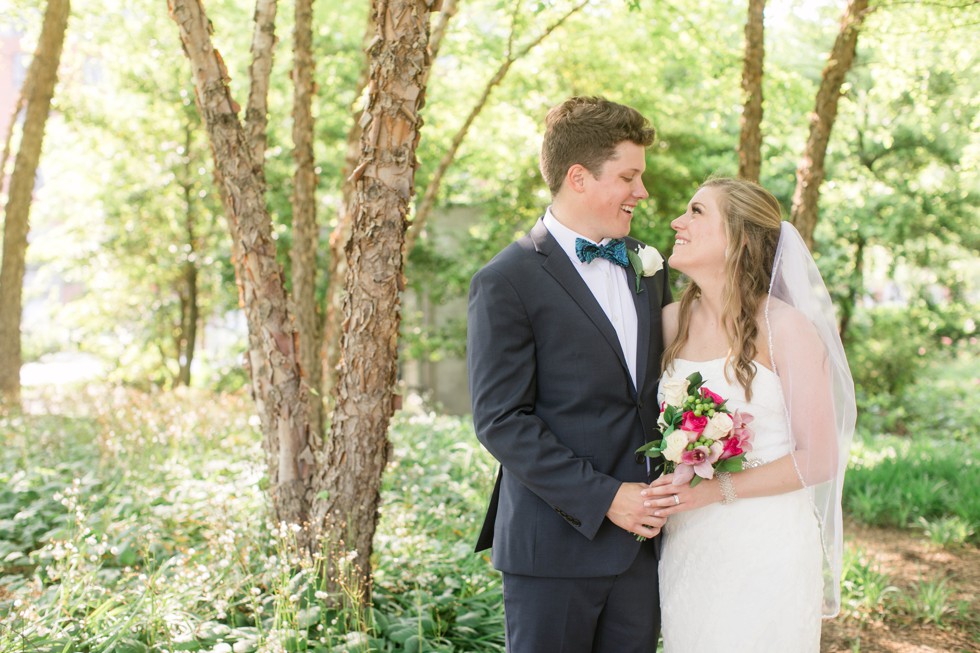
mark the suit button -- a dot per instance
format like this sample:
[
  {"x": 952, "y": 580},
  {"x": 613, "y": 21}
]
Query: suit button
[
  {"x": 639, "y": 404},
  {"x": 640, "y": 458}
]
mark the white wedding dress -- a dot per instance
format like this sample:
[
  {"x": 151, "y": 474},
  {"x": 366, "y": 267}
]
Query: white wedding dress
[{"x": 746, "y": 576}]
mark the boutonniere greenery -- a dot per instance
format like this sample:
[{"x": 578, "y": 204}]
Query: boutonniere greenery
[{"x": 646, "y": 262}]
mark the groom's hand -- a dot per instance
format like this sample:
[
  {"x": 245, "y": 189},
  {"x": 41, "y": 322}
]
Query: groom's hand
[{"x": 628, "y": 512}]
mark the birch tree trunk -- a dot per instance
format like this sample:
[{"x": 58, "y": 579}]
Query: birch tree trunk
[
  {"x": 348, "y": 490},
  {"x": 256, "y": 122},
  {"x": 275, "y": 363},
  {"x": 42, "y": 75},
  {"x": 750, "y": 140},
  {"x": 810, "y": 173},
  {"x": 306, "y": 236},
  {"x": 257, "y": 110},
  {"x": 337, "y": 265}
]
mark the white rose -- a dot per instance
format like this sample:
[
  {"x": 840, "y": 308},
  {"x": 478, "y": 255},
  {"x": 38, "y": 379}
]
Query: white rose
[
  {"x": 718, "y": 426},
  {"x": 676, "y": 443},
  {"x": 651, "y": 259},
  {"x": 675, "y": 391}
]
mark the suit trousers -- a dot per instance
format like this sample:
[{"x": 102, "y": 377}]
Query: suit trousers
[{"x": 605, "y": 614}]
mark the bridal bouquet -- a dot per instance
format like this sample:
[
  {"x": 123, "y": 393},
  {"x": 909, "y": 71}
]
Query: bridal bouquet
[{"x": 700, "y": 435}]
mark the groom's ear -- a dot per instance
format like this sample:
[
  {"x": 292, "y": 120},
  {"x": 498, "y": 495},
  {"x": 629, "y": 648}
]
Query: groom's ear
[{"x": 575, "y": 177}]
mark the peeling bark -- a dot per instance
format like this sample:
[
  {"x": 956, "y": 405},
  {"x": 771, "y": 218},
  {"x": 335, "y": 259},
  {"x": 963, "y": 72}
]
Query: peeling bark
[
  {"x": 348, "y": 489},
  {"x": 306, "y": 234},
  {"x": 274, "y": 365},
  {"x": 337, "y": 266}
]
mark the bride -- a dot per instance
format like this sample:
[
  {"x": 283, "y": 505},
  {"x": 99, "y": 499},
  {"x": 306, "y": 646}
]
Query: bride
[{"x": 751, "y": 560}]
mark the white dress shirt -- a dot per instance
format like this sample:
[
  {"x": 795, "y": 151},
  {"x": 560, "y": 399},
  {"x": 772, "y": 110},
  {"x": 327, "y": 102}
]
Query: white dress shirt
[{"x": 608, "y": 284}]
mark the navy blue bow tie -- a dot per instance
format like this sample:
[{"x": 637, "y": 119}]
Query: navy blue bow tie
[{"x": 613, "y": 251}]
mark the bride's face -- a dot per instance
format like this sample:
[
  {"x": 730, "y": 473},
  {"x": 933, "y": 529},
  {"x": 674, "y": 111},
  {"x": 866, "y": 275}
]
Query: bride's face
[{"x": 700, "y": 243}]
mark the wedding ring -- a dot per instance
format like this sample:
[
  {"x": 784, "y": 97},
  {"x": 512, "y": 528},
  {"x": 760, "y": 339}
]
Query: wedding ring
[{"x": 677, "y": 501}]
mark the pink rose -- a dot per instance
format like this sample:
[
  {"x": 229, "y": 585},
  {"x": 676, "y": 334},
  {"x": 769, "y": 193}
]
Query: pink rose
[
  {"x": 708, "y": 394},
  {"x": 694, "y": 423},
  {"x": 733, "y": 447}
]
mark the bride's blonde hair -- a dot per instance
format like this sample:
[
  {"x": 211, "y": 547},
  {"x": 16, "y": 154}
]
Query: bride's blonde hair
[{"x": 752, "y": 218}]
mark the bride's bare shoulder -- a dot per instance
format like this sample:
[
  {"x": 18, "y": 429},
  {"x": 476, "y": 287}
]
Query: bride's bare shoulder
[{"x": 789, "y": 322}]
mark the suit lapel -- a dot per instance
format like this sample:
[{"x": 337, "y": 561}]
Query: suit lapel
[{"x": 558, "y": 266}]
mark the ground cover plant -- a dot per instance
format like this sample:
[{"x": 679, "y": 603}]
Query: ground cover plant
[{"x": 138, "y": 522}]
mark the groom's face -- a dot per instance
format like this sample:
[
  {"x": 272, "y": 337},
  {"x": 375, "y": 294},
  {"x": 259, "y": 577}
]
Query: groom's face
[{"x": 611, "y": 197}]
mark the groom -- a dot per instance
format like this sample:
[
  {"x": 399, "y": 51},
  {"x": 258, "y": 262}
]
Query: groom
[{"x": 563, "y": 349}]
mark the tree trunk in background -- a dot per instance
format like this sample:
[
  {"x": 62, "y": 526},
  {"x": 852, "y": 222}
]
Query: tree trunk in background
[
  {"x": 424, "y": 208},
  {"x": 42, "y": 75},
  {"x": 306, "y": 234},
  {"x": 257, "y": 110},
  {"x": 349, "y": 483},
  {"x": 337, "y": 265},
  {"x": 189, "y": 316},
  {"x": 854, "y": 286},
  {"x": 810, "y": 173},
  {"x": 189, "y": 311},
  {"x": 9, "y": 139},
  {"x": 750, "y": 140},
  {"x": 275, "y": 365}
]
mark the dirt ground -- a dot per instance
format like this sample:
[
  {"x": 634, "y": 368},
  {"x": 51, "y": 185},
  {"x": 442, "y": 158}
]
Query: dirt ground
[{"x": 906, "y": 558}]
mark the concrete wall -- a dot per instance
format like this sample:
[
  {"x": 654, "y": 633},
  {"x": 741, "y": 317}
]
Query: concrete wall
[{"x": 443, "y": 383}]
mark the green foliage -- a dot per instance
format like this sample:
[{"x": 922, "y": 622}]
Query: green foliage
[
  {"x": 901, "y": 174},
  {"x": 905, "y": 482},
  {"x": 140, "y": 525},
  {"x": 930, "y": 601},
  {"x": 864, "y": 589},
  {"x": 938, "y": 403},
  {"x": 133, "y": 521},
  {"x": 884, "y": 350}
]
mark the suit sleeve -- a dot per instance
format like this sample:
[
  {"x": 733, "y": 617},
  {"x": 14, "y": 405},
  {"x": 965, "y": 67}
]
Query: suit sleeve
[{"x": 503, "y": 380}]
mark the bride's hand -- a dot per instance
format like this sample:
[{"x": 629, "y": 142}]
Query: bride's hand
[{"x": 670, "y": 499}]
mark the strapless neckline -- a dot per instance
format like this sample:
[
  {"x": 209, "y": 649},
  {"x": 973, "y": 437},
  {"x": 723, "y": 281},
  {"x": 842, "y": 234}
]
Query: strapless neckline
[{"x": 758, "y": 365}]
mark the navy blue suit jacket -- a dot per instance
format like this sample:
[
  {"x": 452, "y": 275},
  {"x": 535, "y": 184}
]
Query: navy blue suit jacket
[{"x": 553, "y": 401}]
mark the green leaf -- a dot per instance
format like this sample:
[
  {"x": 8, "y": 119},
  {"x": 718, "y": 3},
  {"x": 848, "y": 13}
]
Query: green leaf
[
  {"x": 653, "y": 448},
  {"x": 733, "y": 464},
  {"x": 637, "y": 266},
  {"x": 696, "y": 381}
]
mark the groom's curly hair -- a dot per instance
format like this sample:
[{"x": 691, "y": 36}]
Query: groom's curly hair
[
  {"x": 752, "y": 220},
  {"x": 586, "y": 130}
]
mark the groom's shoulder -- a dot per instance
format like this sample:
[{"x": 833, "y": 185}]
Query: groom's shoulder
[{"x": 515, "y": 256}]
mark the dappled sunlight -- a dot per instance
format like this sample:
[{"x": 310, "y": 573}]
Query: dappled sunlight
[{"x": 62, "y": 369}]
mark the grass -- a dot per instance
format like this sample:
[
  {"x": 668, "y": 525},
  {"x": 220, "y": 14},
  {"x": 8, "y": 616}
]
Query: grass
[
  {"x": 138, "y": 522},
  {"x": 916, "y": 483},
  {"x": 925, "y": 478}
]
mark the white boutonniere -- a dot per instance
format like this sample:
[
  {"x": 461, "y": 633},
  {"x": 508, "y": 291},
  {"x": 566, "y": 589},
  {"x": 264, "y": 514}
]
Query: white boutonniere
[{"x": 646, "y": 262}]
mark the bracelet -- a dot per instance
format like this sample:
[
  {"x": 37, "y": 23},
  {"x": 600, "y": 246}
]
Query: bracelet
[{"x": 727, "y": 487}]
